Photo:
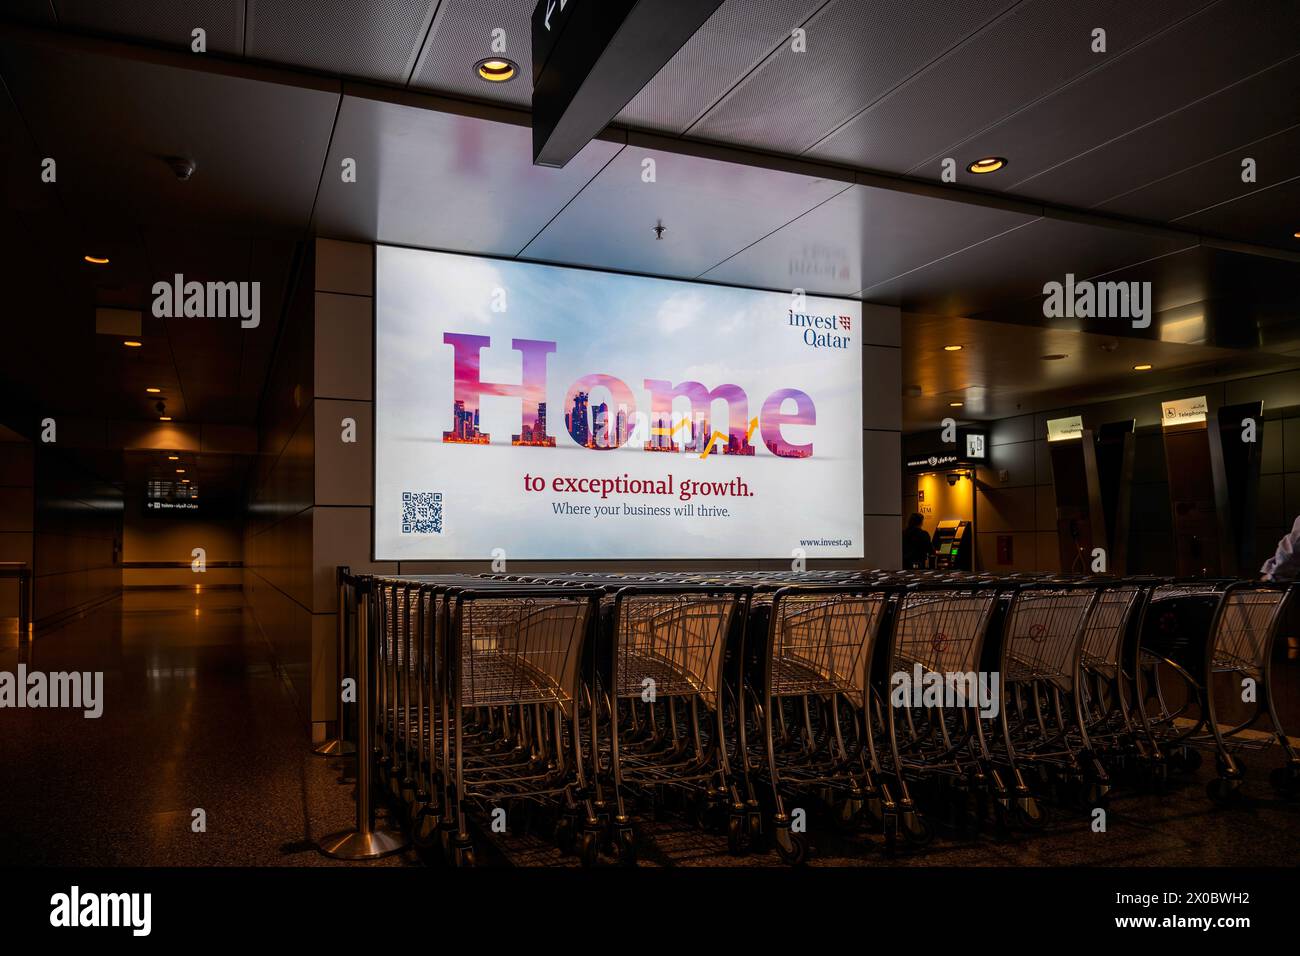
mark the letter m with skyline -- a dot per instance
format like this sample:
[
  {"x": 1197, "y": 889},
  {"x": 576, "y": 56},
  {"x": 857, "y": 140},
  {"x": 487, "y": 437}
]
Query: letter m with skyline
[{"x": 470, "y": 389}]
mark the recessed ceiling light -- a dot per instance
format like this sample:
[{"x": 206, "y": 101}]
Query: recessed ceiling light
[
  {"x": 164, "y": 418},
  {"x": 956, "y": 404},
  {"x": 496, "y": 69},
  {"x": 1055, "y": 357},
  {"x": 153, "y": 391},
  {"x": 132, "y": 344},
  {"x": 185, "y": 481},
  {"x": 989, "y": 164},
  {"x": 96, "y": 260},
  {"x": 1144, "y": 367},
  {"x": 952, "y": 348},
  {"x": 180, "y": 471},
  {"x": 173, "y": 457}
]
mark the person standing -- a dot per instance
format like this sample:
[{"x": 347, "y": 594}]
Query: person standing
[
  {"x": 916, "y": 544},
  {"x": 1284, "y": 566}
]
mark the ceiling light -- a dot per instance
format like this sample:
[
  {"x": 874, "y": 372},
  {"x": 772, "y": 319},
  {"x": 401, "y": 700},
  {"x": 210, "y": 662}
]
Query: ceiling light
[
  {"x": 173, "y": 457},
  {"x": 180, "y": 471},
  {"x": 1144, "y": 367},
  {"x": 153, "y": 391},
  {"x": 1297, "y": 235},
  {"x": 96, "y": 260},
  {"x": 164, "y": 418},
  {"x": 989, "y": 164},
  {"x": 132, "y": 344},
  {"x": 956, "y": 404},
  {"x": 952, "y": 348},
  {"x": 185, "y": 481},
  {"x": 496, "y": 69},
  {"x": 1055, "y": 357}
]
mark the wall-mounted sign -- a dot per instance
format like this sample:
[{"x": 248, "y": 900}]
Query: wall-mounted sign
[
  {"x": 1061, "y": 429},
  {"x": 934, "y": 461},
  {"x": 970, "y": 448},
  {"x": 1183, "y": 411}
]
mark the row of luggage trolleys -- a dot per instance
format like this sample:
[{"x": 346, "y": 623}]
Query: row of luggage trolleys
[{"x": 889, "y": 701}]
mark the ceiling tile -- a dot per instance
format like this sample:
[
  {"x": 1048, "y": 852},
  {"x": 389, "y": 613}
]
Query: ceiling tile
[
  {"x": 1035, "y": 48},
  {"x": 710, "y": 210},
  {"x": 442, "y": 180},
  {"x": 855, "y": 54},
  {"x": 860, "y": 237},
  {"x": 462, "y": 35},
  {"x": 377, "y": 40},
  {"x": 1205, "y": 53},
  {"x": 1015, "y": 265},
  {"x": 160, "y": 21},
  {"x": 732, "y": 42}
]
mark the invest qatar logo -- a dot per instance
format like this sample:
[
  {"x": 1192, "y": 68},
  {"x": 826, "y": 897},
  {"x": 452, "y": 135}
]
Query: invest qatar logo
[{"x": 822, "y": 331}]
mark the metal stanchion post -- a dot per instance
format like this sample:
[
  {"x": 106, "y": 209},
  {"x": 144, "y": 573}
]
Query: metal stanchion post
[
  {"x": 340, "y": 746},
  {"x": 365, "y": 842}
]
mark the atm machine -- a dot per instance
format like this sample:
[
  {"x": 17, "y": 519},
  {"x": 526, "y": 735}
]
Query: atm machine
[{"x": 953, "y": 546}]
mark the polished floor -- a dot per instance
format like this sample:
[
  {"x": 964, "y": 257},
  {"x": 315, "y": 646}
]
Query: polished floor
[{"x": 196, "y": 717}]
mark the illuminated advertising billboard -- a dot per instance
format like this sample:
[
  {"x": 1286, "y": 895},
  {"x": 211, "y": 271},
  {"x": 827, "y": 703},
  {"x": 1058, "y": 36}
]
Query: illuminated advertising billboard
[{"x": 528, "y": 411}]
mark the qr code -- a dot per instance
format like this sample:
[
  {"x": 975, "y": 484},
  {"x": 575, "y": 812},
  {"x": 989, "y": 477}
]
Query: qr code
[{"x": 421, "y": 512}]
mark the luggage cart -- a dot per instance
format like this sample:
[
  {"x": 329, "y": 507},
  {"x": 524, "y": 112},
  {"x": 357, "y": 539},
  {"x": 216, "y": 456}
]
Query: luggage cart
[
  {"x": 1108, "y": 675},
  {"x": 1199, "y": 633},
  {"x": 659, "y": 688},
  {"x": 808, "y": 651},
  {"x": 1041, "y": 715},
  {"x": 935, "y": 630},
  {"x": 513, "y": 666}
]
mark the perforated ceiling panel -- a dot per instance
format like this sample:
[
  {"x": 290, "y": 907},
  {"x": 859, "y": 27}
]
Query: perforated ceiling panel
[
  {"x": 1205, "y": 53},
  {"x": 1211, "y": 182},
  {"x": 462, "y": 35},
  {"x": 1035, "y": 48},
  {"x": 162, "y": 21},
  {"x": 375, "y": 40},
  {"x": 1227, "y": 120},
  {"x": 739, "y": 35},
  {"x": 855, "y": 53}
]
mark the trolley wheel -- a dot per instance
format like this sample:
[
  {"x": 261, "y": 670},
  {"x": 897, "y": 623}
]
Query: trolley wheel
[
  {"x": 754, "y": 829},
  {"x": 588, "y": 847},
  {"x": 736, "y": 834},
  {"x": 851, "y": 810},
  {"x": 1030, "y": 813},
  {"x": 566, "y": 833},
  {"x": 1221, "y": 766},
  {"x": 1224, "y": 793},
  {"x": 424, "y": 831},
  {"x": 462, "y": 857},
  {"x": 791, "y": 847},
  {"x": 1285, "y": 780},
  {"x": 1098, "y": 795},
  {"x": 625, "y": 845},
  {"x": 917, "y": 830}
]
